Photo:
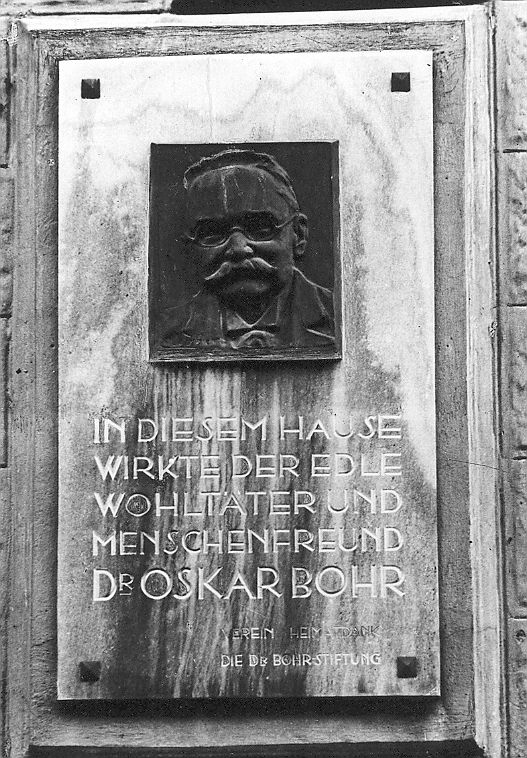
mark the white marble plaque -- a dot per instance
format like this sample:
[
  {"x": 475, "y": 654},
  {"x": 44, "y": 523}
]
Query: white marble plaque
[{"x": 263, "y": 526}]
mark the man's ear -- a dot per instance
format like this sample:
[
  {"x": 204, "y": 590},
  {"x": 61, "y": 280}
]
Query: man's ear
[{"x": 301, "y": 234}]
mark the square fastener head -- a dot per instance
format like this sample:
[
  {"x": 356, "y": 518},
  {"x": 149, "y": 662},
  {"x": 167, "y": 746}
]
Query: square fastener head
[
  {"x": 406, "y": 667},
  {"x": 90, "y": 89},
  {"x": 401, "y": 81},
  {"x": 89, "y": 671}
]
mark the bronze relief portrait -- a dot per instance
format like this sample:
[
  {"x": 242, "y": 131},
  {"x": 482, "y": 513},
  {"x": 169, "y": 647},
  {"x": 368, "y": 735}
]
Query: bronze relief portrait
[{"x": 243, "y": 255}]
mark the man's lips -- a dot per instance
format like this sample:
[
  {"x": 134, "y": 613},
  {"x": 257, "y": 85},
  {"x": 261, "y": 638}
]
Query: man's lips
[{"x": 228, "y": 269}]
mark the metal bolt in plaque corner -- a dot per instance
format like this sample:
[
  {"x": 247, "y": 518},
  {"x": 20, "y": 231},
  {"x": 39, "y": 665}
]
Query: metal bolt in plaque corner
[{"x": 247, "y": 464}]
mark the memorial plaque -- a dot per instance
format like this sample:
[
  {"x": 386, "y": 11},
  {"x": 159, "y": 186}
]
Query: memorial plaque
[
  {"x": 247, "y": 468},
  {"x": 230, "y": 229}
]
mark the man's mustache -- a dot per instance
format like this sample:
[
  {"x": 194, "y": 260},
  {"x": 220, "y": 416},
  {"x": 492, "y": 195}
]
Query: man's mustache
[{"x": 227, "y": 268}]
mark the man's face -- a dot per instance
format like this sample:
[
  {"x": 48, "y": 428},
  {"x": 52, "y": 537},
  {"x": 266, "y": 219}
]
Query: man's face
[{"x": 244, "y": 233}]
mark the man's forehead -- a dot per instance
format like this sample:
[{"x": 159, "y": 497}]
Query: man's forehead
[{"x": 232, "y": 190}]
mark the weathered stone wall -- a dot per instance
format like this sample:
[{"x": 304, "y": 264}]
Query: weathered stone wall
[
  {"x": 511, "y": 88},
  {"x": 510, "y": 51}
]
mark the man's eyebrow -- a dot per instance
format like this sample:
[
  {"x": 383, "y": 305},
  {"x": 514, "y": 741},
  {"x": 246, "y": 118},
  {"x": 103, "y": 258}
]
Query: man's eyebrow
[
  {"x": 210, "y": 220},
  {"x": 233, "y": 216},
  {"x": 229, "y": 218},
  {"x": 266, "y": 213}
]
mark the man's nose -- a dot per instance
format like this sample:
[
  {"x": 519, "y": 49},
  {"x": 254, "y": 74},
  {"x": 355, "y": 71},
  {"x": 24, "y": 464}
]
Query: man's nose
[{"x": 238, "y": 245}]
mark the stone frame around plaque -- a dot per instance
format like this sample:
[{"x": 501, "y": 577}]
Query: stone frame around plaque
[
  {"x": 244, "y": 258},
  {"x": 468, "y": 714}
]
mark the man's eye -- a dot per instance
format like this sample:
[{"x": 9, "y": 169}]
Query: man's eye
[
  {"x": 210, "y": 235},
  {"x": 261, "y": 231},
  {"x": 211, "y": 238}
]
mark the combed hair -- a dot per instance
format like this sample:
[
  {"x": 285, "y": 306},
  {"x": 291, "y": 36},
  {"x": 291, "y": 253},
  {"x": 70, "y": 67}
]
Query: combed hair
[{"x": 232, "y": 158}]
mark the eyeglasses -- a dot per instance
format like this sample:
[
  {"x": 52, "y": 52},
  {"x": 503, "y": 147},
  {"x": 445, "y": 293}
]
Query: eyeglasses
[{"x": 260, "y": 227}]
